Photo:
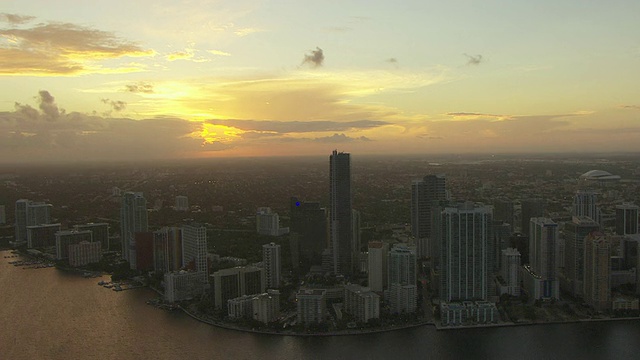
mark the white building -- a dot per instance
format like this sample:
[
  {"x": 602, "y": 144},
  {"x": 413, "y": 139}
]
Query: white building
[
  {"x": 240, "y": 307},
  {"x": 69, "y": 237},
  {"x": 183, "y": 285},
  {"x": 268, "y": 223},
  {"x": 377, "y": 265},
  {"x": 510, "y": 271},
  {"x": 266, "y": 306},
  {"x": 402, "y": 293},
  {"x": 272, "y": 265},
  {"x": 311, "y": 306},
  {"x": 361, "y": 302},
  {"x": 84, "y": 253},
  {"x": 194, "y": 249}
]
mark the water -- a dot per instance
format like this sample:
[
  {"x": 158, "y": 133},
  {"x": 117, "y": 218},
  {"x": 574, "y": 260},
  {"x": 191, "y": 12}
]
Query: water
[{"x": 50, "y": 314}]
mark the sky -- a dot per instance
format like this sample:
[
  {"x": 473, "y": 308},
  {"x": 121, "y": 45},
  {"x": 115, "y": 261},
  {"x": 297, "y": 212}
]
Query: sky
[{"x": 140, "y": 80}]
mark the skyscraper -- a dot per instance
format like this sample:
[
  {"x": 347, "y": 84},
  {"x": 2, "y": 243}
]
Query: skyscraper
[
  {"x": 100, "y": 233},
  {"x": 584, "y": 204},
  {"x": 544, "y": 258},
  {"x": 272, "y": 265},
  {"x": 341, "y": 226},
  {"x": 309, "y": 221},
  {"x": 425, "y": 194},
  {"x": 531, "y": 208},
  {"x": 465, "y": 253},
  {"x": 597, "y": 270},
  {"x": 574, "y": 235},
  {"x": 503, "y": 211},
  {"x": 626, "y": 219},
  {"x": 133, "y": 219},
  {"x": 194, "y": 248},
  {"x": 378, "y": 258},
  {"x": 402, "y": 293},
  {"x": 510, "y": 270},
  {"x": 167, "y": 249}
]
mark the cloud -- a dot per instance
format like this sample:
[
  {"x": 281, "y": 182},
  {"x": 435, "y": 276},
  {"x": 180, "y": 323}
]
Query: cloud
[
  {"x": 28, "y": 134},
  {"x": 473, "y": 60},
  {"x": 633, "y": 107},
  {"x": 246, "y": 31},
  {"x": 474, "y": 116},
  {"x": 285, "y": 127},
  {"x": 116, "y": 105},
  {"x": 141, "y": 87},
  {"x": 392, "y": 60},
  {"x": 219, "y": 53},
  {"x": 62, "y": 49},
  {"x": 315, "y": 58},
  {"x": 180, "y": 55},
  {"x": 340, "y": 138},
  {"x": 15, "y": 19},
  {"x": 48, "y": 105}
]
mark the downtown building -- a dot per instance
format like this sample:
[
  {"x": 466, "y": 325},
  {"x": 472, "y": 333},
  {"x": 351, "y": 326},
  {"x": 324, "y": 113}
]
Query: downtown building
[
  {"x": 597, "y": 271},
  {"x": 510, "y": 272},
  {"x": 378, "y": 255},
  {"x": 627, "y": 219},
  {"x": 236, "y": 282},
  {"x": 574, "y": 234},
  {"x": 361, "y": 303},
  {"x": 466, "y": 263},
  {"x": 167, "y": 249},
  {"x": 311, "y": 306},
  {"x": 585, "y": 204},
  {"x": 99, "y": 231},
  {"x": 84, "y": 253},
  {"x": 44, "y": 235},
  {"x": 133, "y": 219},
  {"x": 402, "y": 294},
  {"x": 309, "y": 224},
  {"x": 194, "y": 249},
  {"x": 541, "y": 277},
  {"x": 30, "y": 213},
  {"x": 340, "y": 213},
  {"x": 531, "y": 208},
  {"x": 272, "y": 264},
  {"x": 65, "y": 238},
  {"x": 182, "y": 203},
  {"x": 183, "y": 285},
  {"x": 425, "y": 195}
]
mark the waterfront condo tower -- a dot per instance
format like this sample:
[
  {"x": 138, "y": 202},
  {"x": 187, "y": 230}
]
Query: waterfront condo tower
[
  {"x": 425, "y": 194},
  {"x": 133, "y": 219},
  {"x": 340, "y": 223}
]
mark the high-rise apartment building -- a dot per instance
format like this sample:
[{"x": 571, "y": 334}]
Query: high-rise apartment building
[
  {"x": 194, "y": 248},
  {"x": 100, "y": 232},
  {"x": 574, "y": 234},
  {"x": 167, "y": 249},
  {"x": 29, "y": 213},
  {"x": 70, "y": 237},
  {"x": 378, "y": 257},
  {"x": 42, "y": 235},
  {"x": 510, "y": 270},
  {"x": 311, "y": 306},
  {"x": 133, "y": 219},
  {"x": 361, "y": 303},
  {"x": 531, "y": 208},
  {"x": 585, "y": 204},
  {"x": 597, "y": 271},
  {"x": 309, "y": 221},
  {"x": 272, "y": 261},
  {"x": 340, "y": 224},
  {"x": 235, "y": 282},
  {"x": 425, "y": 194},
  {"x": 627, "y": 219},
  {"x": 402, "y": 293},
  {"x": 544, "y": 246},
  {"x": 465, "y": 253},
  {"x": 503, "y": 211}
]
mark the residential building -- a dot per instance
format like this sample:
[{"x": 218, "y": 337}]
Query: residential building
[
  {"x": 144, "y": 250},
  {"x": 272, "y": 263},
  {"x": 69, "y": 237},
  {"x": 510, "y": 271},
  {"x": 42, "y": 235},
  {"x": 167, "y": 249},
  {"x": 309, "y": 221},
  {"x": 378, "y": 259},
  {"x": 340, "y": 224},
  {"x": 311, "y": 306},
  {"x": 574, "y": 234},
  {"x": 183, "y": 285},
  {"x": 531, "y": 208},
  {"x": 361, "y": 303},
  {"x": 503, "y": 211},
  {"x": 627, "y": 219},
  {"x": 194, "y": 248},
  {"x": 84, "y": 253},
  {"x": 235, "y": 282},
  {"x": 182, "y": 203},
  {"x": 585, "y": 204},
  {"x": 597, "y": 270},
  {"x": 544, "y": 254},
  {"x": 133, "y": 219},
  {"x": 99, "y": 231},
  {"x": 402, "y": 293},
  {"x": 425, "y": 194},
  {"x": 266, "y": 306}
]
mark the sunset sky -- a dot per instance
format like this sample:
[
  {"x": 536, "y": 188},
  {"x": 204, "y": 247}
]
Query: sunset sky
[{"x": 128, "y": 80}]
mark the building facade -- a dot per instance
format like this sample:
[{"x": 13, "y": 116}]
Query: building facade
[
  {"x": 627, "y": 219},
  {"x": 377, "y": 264},
  {"x": 361, "y": 303},
  {"x": 311, "y": 306},
  {"x": 597, "y": 271},
  {"x": 424, "y": 194},
  {"x": 340, "y": 224},
  {"x": 235, "y": 282},
  {"x": 66, "y": 238},
  {"x": 84, "y": 253},
  {"x": 272, "y": 260},
  {"x": 574, "y": 234},
  {"x": 544, "y": 248},
  {"x": 133, "y": 219},
  {"x": 402, "y": 293}
]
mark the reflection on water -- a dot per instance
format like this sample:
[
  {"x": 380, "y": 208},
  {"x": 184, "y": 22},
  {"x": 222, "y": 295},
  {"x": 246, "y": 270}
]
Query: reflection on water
[{"x": 50, "y": 314}]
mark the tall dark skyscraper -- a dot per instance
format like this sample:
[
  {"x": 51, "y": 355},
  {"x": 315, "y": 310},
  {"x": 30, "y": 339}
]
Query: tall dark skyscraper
[
  {"x": 309, "y": 222},
  {"x": 531, "y": 208},
  {"x": 340, "y": 223},
  {"x": 627, "y": 219},
  {"x": 425, "y": 194}
]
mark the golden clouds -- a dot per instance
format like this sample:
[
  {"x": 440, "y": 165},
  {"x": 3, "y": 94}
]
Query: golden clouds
[{"x": 61, "y": 49}]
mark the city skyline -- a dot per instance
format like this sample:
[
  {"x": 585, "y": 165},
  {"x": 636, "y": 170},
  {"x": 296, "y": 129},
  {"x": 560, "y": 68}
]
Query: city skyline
[{"x": 264, "y": 78}]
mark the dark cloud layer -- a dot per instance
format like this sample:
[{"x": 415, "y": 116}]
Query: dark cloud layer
[
  {"x": 116, "y": 105},
  {"x": 315, "y": 58},
  {"x": 140, "y": 87},
  {"x": 15, "y": 19},
  {"x": 340, "y": 138}
]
